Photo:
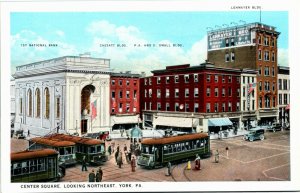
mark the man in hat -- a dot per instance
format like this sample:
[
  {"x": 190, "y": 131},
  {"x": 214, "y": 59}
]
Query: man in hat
[
  {"x": 133, "y": 164},
  {"x": 92, "y": 176},
  {"x": 83, "y": 168},
  {"x": 197, "y": 163},
  {"x": 99, "y": 175}
]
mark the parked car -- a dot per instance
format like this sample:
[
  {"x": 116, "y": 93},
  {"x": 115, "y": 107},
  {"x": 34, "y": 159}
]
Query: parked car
[
  {"x": 254, "y": 134},
  {"x": 275, "y": 127}
]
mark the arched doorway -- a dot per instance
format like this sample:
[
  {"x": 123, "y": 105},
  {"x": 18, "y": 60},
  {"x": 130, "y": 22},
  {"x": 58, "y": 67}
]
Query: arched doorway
[{"x": 86, "y": 94}]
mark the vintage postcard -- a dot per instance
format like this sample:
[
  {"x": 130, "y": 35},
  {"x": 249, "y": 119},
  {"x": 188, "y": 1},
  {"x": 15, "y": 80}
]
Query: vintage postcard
[{"x": 149, "y": 96}]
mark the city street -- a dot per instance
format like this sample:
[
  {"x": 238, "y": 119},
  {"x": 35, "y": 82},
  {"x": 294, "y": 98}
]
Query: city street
[{"x": 267, "y": 160}]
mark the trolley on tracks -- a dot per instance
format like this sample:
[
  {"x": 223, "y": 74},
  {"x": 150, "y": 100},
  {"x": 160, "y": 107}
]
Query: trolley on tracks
[{"x": 157, "y": 152}]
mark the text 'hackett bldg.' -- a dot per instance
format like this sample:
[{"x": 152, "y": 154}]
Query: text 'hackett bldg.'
[{"x": 69, "y": 92}]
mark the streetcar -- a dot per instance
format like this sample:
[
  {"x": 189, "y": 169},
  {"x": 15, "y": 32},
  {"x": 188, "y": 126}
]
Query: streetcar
[
  {"x": 157, "y": 152},
  {"x": 92, "y": 149},
  {"x": 66, "y": 149},
  {"x": 39, "y": 165}
]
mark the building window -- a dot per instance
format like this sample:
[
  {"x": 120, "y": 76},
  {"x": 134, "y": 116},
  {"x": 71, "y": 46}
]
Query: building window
[
  {"x": 280, "y": 99},
  {"x": 128, "y": 93},
  {"x": 244, "y": 105},
  {"x": 232, "y": 56},
  {"x": 29, "y": 97},
  {"x": 252, "y": 79},
  {"x": 176, "y": 106},
  {"x": 145, "y": 83},
  {"x": 208, "y": 92},
  {"x": 267, "y": 101},
  {"x": 273, "y": 57},
  {"x": 37, "y": 103},
  {"x": 134, "y": 82},
  {"x": 285, "y": 84},
  {"x": 187, "y": 108},
  {"x": 196, "y": 92},
  {"x": 266, "y": 55},
  {"x": 120, "y": 82},
  {"x": 279, "y": 84},
  {"x": 113, "y": 94},
  {"x": 229, "y": 78},
  {"x": 195, "y": 77},
  {"x": 21, "y": 105},
  {"x": 238, "y": 79},
  {"x": 167, "y": 93},
  {"x": 145, "y": 93},
  {"x": 187, "y": 93},
  {"x": 167, "y": 80},
  {"x": 134, "y": 94},
  {"x": 238, "y": 106},
  {"x": 120, "y": 107},
  {"x": 238, "y": 92},
  {"x": 260, "y": 86},
  {"x": 207, "y": 107},
  {"x": 113, "y": 110},
  {"x": 273, "y": 71},
  {"x": 176, "y": 79},
  {"x": 259, "y": 70},
  {"x": 158, "y": 106},
  {"x": 223, "y": 107},
  {"x": 274, "y": 101},
  {"x": 273, "y": 86},
  {"x": 150, "y": 106},
  {"x": 47, "y": 103},
  {"x": 229, "y": 106},
  {"x": 186, "y": 78},
  {"x": 113, "y": 82},
  {"x": 244, "y": 91},
  {"x": 253, "y": 105},
  {"x": 57, "y": 106},
  {"x": 227, "y": 57},
  {"x": 266, "y": 42},
  {"x": 223, "y": 79},
  {"x": 229, "y": 91},
  {"x": 167, "y": 107},
  {"x": 207, "y": 78},
  {"x": 158, "y": 93},
  {"x": 285, "y": 98},
  {"x": 223, "y": 92},
  {"x": 150, "y": 92},
  {"x": 127, "y": 82},
  {"x": 176, "y": 92},
  {"x": 216, "y": 107},
  {"x": 243, "y": 79},
  {"x": 259, "y": 54},
  {"x": 216, "y": 91},
  {"x": 196, "y": 107},
  {"x": 232, "y": 42},
  {"x": 158, "y": 80},
  {"x": 150, "y": 81},
  {"x": 267, "y": 71},
  {"x": 216, "y": 78},
  {"x": 260, "y": 102},
  {"x": 121, "y": 94},
  {"x": 259, "y": 39},
  {"x": 272, "y": 42}
]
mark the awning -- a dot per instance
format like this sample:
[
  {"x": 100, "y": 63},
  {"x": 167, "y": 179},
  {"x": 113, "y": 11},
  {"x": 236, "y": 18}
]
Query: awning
[{"x": 219, "y": 122}]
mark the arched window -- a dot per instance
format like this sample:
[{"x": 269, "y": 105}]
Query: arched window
[
  {"x": 37, "y": 103},
  {"x": 47, "y": 103},
  {"x": 29, "y": 98}
]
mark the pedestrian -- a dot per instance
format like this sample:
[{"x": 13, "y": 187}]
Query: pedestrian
[
  {"x": 99, "y": 175},
  {"x": 109, "y": 149},
  {"x": 113, "y": 146},
  {"x": 116, "y": 156},
  {"x": 122, "y": 131},
  {"x": 129, "y": 155},
  {"x": 28, "y": 133},
  {"x": 118, "y": 148},
  {"x": 197, "y": 163},
  {"x": 84, "y": 168},
  {"x": 125, "y": 148},
  {"x": 133, "y": 164},
  {"x": 217, "y": 156},
  {"x": 92, "y": 176},
  {"x": 120, "y": 160},
  {"x": 227, "y": 149},
  {"x": 169, "y": 169}
]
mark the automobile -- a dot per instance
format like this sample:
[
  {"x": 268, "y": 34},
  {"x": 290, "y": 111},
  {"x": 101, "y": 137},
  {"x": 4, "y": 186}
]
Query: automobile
[
  {"x": 254, "y": 134},
  {"x": 275, "y": 127}
]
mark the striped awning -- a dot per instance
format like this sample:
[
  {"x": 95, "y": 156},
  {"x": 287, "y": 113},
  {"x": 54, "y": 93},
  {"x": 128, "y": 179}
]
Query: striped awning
[{"x": 219, "y": 122}]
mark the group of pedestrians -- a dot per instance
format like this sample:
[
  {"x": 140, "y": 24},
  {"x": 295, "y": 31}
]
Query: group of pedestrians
[{"x": 96, "y": 177}]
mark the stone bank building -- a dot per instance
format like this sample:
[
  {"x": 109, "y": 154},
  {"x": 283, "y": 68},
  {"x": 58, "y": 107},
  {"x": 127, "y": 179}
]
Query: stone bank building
[{"x": 68, "y": 94}]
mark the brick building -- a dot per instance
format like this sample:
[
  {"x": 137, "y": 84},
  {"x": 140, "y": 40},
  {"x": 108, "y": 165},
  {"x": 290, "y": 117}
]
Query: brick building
[
  {"x": 124, "y": 100},
  {"x": 186, "y": 97},
  {"x": 251, "y": 46}
]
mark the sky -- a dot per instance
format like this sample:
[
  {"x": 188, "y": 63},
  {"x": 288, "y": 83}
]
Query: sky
[{"x": 75, "y": 33}]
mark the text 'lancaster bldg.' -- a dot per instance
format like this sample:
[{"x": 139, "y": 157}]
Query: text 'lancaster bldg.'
[
  {"x": 252, "y": 46},
  {"x": 69, "y": 94}
]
